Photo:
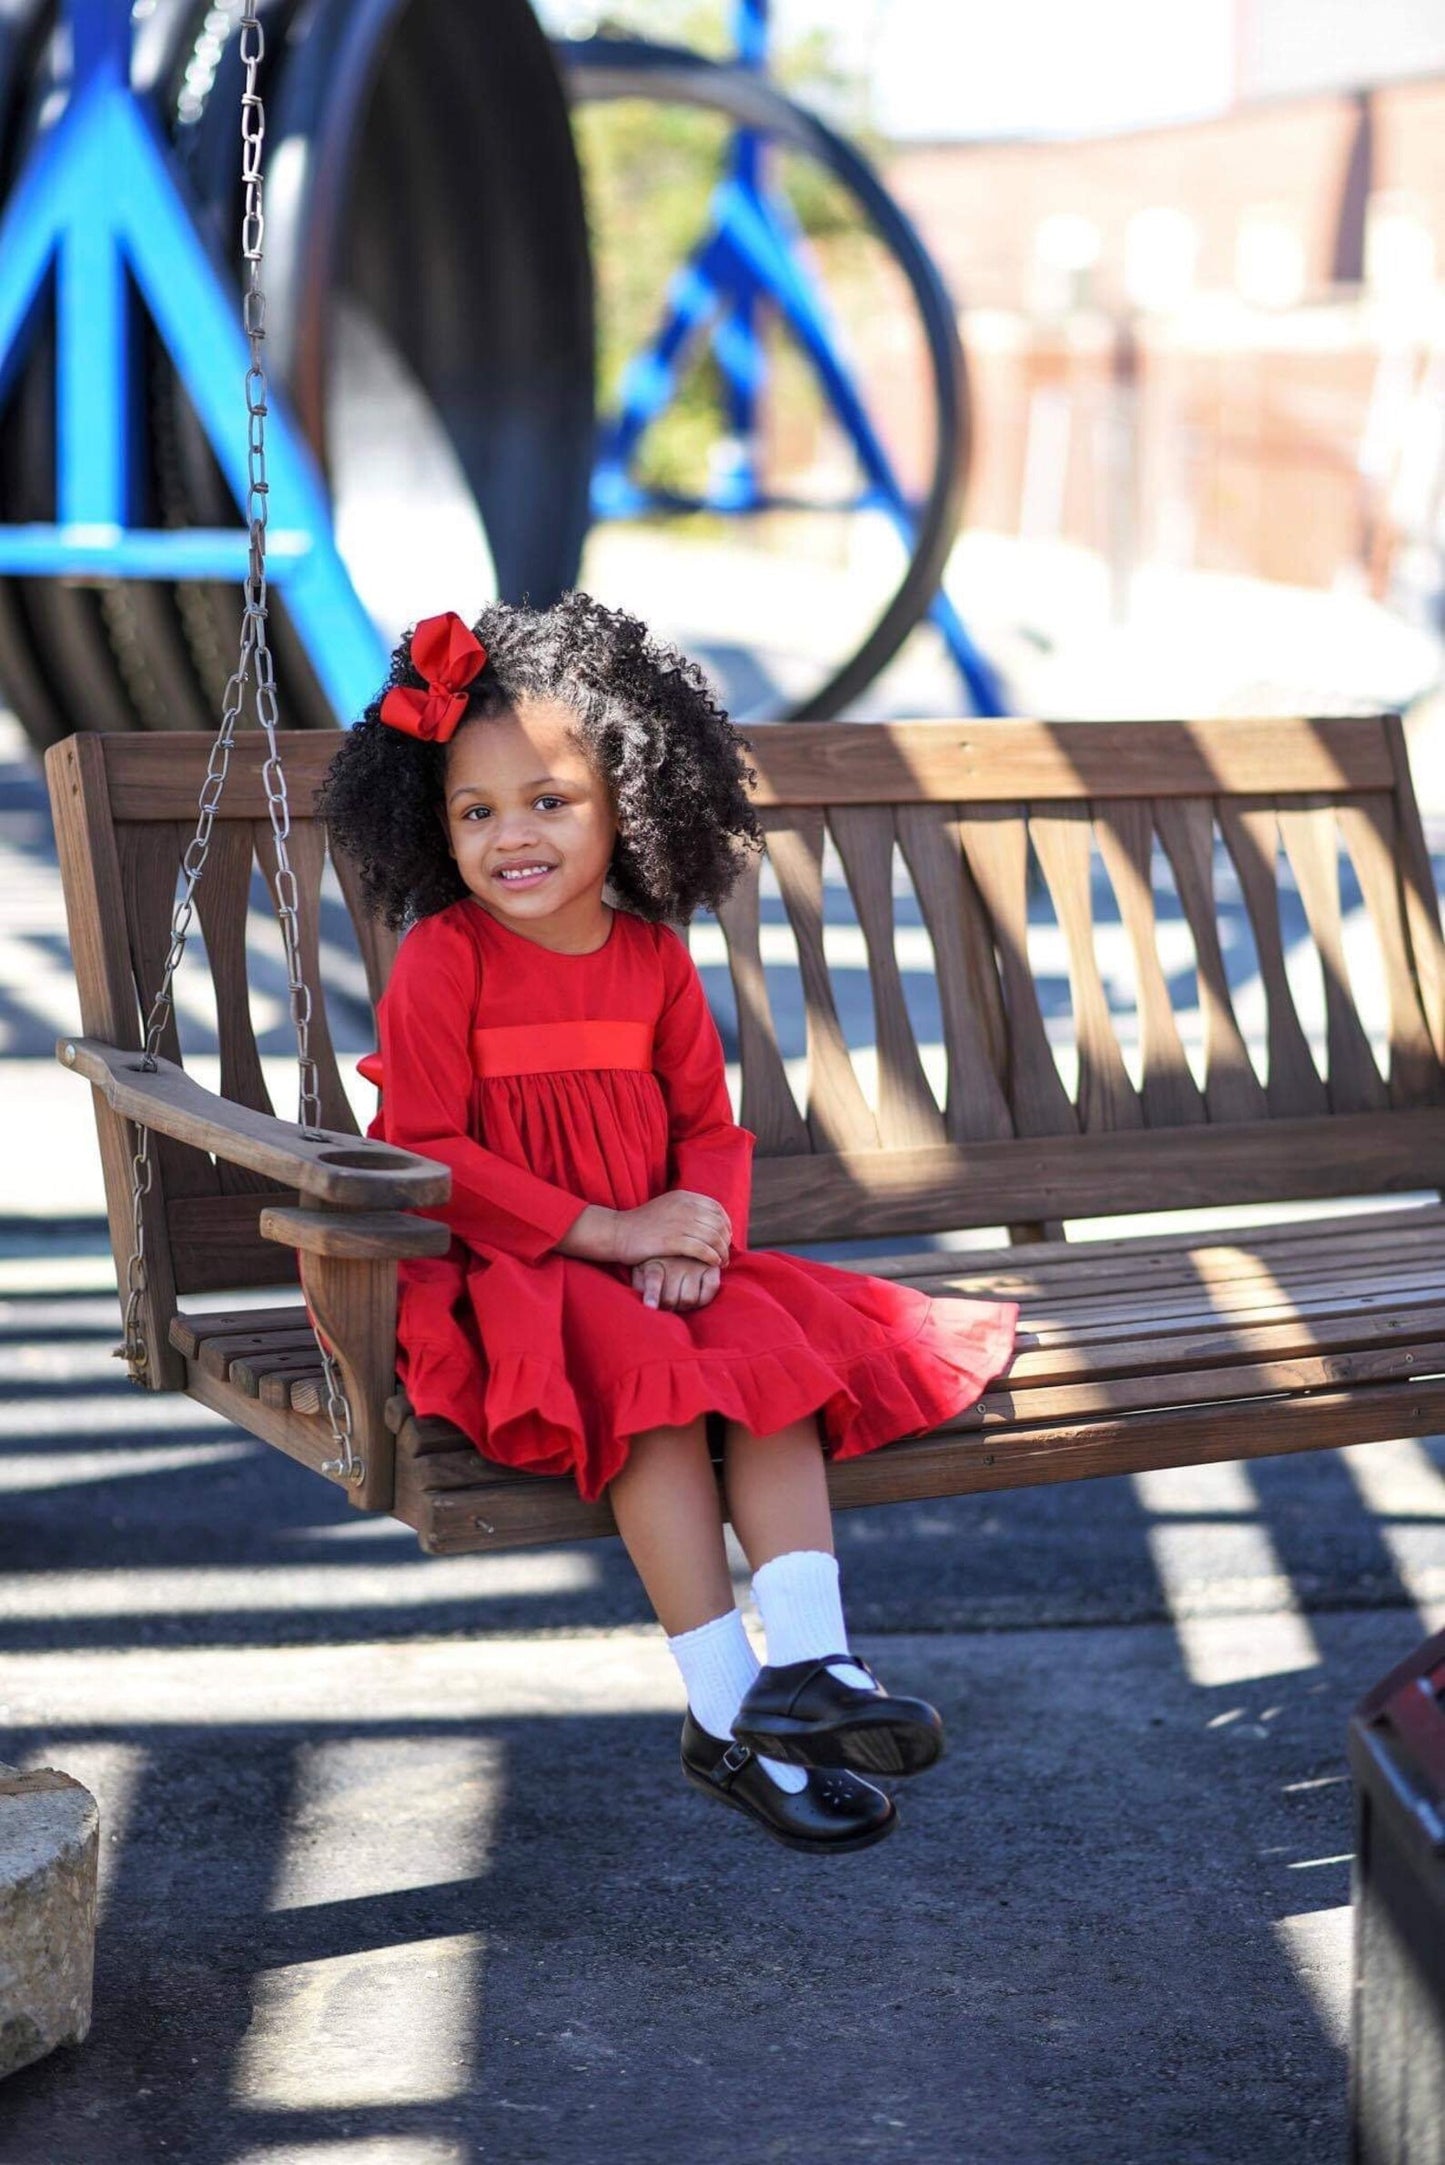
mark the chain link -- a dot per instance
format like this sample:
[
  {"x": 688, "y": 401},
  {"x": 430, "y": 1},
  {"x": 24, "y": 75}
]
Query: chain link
[{"x": 256, "y": 667}]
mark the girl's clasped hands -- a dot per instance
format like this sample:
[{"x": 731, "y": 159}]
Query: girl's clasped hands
[{"x": 677, "y": 1246}]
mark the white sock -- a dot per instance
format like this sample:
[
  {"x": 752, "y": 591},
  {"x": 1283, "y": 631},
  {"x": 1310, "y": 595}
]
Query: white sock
[
  {"x": 802, "y": 1611},
  {"x": 718, "y": 1664}
]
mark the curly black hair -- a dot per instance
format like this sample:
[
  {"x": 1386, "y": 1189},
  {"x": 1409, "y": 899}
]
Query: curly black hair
[{"x": 645, "y": 715}]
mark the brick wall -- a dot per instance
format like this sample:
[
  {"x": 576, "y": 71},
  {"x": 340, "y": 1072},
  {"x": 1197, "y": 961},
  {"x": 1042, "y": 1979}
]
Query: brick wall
[{"x": 1246, "y": 420}]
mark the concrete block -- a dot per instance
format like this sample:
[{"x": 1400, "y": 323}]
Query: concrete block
[{"x": 49, "y": 1846}]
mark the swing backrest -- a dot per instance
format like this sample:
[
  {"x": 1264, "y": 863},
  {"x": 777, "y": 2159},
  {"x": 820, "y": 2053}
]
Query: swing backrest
[
  {"x": 943, "y": 832},
  {"x": 969, "y": 837}
]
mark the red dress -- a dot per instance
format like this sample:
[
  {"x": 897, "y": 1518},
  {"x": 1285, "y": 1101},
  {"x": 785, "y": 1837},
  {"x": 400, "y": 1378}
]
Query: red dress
[{"x": 546, "y": 1081}]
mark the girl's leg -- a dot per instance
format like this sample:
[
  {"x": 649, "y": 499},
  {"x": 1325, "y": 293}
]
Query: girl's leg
[
  {"x": 777, "y": 1493},
  {"x": 777, "y": 1490},
  {"x": 665, "y": 1502}
]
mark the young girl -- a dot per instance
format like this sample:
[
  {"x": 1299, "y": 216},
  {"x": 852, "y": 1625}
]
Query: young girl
[{"x": 538, "y": 799}]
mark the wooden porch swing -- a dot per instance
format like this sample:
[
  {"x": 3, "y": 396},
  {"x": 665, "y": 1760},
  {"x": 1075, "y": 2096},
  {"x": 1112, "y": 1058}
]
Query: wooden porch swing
[
  {"x": 1142, "y": 1351},
  {"x": 1284, "y": 1335}
]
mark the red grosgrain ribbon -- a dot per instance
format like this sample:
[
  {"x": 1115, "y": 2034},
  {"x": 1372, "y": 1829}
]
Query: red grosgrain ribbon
[{"x": 448, "y": 655}]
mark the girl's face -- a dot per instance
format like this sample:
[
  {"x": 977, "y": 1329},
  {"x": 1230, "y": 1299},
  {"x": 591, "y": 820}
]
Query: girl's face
[{"x": 530, "y": 823}]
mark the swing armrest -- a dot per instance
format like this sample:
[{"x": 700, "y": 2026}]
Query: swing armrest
[
  {"x": 361, "y": 1236},
  {"x": 343, "y": 1170}
]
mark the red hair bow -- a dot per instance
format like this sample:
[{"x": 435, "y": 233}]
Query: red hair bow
[{"x": 448, "y": 656}]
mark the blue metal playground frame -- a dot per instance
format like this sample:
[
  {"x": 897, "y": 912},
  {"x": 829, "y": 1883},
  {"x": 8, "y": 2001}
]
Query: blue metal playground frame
[
  {"x": 750, "y": 252},
  {"x": 104, "y": 202}
]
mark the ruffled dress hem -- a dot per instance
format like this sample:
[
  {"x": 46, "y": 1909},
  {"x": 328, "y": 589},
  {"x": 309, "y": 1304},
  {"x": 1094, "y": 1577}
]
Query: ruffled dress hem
[{"x": 527, "y": 1414}]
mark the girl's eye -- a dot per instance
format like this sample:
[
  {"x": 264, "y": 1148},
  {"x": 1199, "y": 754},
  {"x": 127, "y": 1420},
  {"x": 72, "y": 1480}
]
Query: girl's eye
[{"x": 484, "y": 811}]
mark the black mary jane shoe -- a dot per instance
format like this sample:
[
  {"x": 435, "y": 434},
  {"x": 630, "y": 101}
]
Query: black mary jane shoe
[
  {"x": 835, "y": 1812},
  {"x": 807, "y": 1717}
]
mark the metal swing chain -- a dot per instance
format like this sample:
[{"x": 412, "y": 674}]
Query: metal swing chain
[{"x": 254, "y": 657}]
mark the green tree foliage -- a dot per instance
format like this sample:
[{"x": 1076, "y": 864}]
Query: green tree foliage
[{"x": 649, "y": 171}]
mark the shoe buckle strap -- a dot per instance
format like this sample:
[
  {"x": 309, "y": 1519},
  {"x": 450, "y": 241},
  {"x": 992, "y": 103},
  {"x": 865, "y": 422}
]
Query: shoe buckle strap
[
  {"x": 823, "y": 1665},
  {"x": 734, "y": 1759},
  {"x": 852, "y": 1661}
]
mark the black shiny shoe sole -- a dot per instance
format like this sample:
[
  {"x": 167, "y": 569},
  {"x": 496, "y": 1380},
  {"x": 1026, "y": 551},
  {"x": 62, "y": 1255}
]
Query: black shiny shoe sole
[
  {"x": 867, "y": 1740},
  {"x": 866, "y": 1840}
]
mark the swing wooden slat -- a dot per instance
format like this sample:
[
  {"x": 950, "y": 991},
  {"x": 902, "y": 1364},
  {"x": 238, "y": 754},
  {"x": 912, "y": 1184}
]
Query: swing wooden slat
[
  {"x": 975, "y": 1034},
  {"x": 1133, "y": 1261},
  {"x": 1267, "y": 1334}
]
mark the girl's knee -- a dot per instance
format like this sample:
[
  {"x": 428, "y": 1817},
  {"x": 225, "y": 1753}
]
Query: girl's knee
[
  {"x": 800, "y": 1433},
  {"x": 684, "y": 1435},
  {"x": 687, "y": 1429}
]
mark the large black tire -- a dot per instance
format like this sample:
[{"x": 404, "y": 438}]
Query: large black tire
[{"x": 597, "y": 68}]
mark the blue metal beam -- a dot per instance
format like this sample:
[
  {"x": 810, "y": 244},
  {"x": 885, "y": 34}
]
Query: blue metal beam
[
  {"x": 751, "y": 253},
  {"x": 737, "y": 338},
  {"x": 102, "y": 200},
  {"x": 106, "y": 551}
]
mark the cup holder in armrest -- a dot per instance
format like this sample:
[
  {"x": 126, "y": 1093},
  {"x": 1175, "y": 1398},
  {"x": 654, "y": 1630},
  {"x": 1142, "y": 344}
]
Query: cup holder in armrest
[{"x": 376, "y": 1160}]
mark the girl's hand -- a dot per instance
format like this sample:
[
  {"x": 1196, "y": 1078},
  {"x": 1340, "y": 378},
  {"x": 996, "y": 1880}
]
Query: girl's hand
[
  {"x": 592, "y": 1235},
  {"x": 678, "y": 1226},
  {"x": 673, "y": 1281}
]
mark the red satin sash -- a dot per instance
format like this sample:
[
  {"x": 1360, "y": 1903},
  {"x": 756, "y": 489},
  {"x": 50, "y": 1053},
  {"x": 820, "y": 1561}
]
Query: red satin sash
[{"x": 545, "y": 1047}]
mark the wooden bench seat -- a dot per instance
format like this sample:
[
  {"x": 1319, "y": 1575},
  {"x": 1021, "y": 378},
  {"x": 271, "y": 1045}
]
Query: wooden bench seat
[
  {"x": 1135, "y": 1351},
  {"x": 1139, "y": 1352}
]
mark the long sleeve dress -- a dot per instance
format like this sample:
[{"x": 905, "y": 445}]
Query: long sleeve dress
[{"x": 548, "y": 1081}]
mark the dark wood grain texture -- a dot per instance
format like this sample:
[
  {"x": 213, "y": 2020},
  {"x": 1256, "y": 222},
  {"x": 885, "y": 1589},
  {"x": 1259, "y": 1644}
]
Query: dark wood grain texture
[
  {"x": 363, "y": 1235},
  {"x": 1170, "y": 1096},
  {"x": 337, "y": 1168},
  {"x": 838, "y": 1114},
  {"x": 824, "y": 763},
  {"x": 353, "y": 1308},
  {"x": 768, "y": 1106},
  {"x": 1093, "y": 1176},
  {"x": 84, "y": 823},
  {"x": 454, "y": 1516}
]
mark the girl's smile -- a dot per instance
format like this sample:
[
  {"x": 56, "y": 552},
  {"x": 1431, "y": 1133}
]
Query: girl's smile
[
  {"x": 530, "y": 824},
  {"x": 524, "y": 875}
]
